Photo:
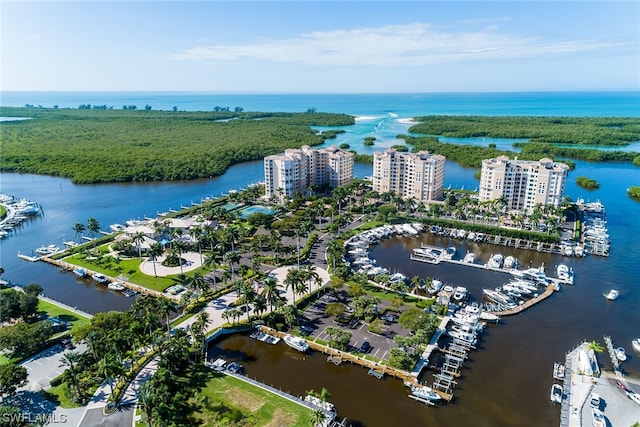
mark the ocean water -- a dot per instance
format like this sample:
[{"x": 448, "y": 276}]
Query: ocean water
[{"x": 506, "y": 383}]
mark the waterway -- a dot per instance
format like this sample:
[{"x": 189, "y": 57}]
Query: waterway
[{"x": 507, "y": 382}]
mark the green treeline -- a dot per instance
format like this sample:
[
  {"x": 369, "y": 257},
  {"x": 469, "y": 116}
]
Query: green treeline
[
  {"x": 92, "y": 146},
  {"x": 540, "y": 150},
  {"x": 558, "y": 130},
  {"x": 588, "y": 183}
]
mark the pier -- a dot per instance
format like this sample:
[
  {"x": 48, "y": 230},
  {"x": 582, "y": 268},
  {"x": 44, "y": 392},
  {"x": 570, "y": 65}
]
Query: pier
[{"x": 613, "y": 357}]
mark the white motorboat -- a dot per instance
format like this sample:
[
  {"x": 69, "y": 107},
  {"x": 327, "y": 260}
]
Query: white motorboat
[
  {"x": 612, "y": 295},
  {"x": 449, "y": 253},
  {"x": 460, "y": 293},
  {"x": 115, "y": 286},
  {"x": 100, "y": 278},
  {"x": 510, "y": 262},
  {"x": 424, "y": 392},
  {"x": 558, "y": 371},
  {"x": 296, "y": 342},
  {"x": 621, "y": 354},
  {"x": 435, "y": 286},
  {"x": 116, "y": 227},
  {"x": 556, "y": 393},
  {"x": 496, "y": 296},
  {"x": 469, "y": 258},
  {"x": 468, "y": 337},
  {"x": 636, "y": 344},
  {"x": 564, "y": 273},
  {"x": 495, "y": 261},
  {"x": 80, "y": 272},
  {"x": 489, "y": 317}
]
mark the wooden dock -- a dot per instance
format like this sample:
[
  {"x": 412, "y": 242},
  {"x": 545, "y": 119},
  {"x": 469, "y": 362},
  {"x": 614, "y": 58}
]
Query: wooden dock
[{"x": 519, "y": 309}]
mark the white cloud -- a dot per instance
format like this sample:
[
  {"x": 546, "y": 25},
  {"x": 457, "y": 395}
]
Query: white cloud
[{"x": 410, "y": 44}]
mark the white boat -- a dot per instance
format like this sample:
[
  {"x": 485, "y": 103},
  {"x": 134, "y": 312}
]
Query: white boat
[
  {"x": 449, "y": 253},
  {"x": 117, "y": 227},
  {"x": 80, "y": 272},
  {"x": 495, "y": 261},
  {"x": 115, "y": 286},
  {"x": 558, "y": 371},
  {"x": 296, "y": 342},
  {"x": 598, "y": 418},
  {"x": 564, "y": 273},
  {"x": 489, "y": 317},
  {"x": 469, "y": 258},
  {"x": 611, "y": 295},
  {"x": 460, "y": 293},
  {"x": 100, "y": 278},
  {"x": 636, "y": 344},
  {"x": 468, "y": 337},
  {"x": 496, "y": 296},
  {"x": 510, "y": 262},
  {"x": 435, "y": 287},
  {"x": 424, "y": 392},
  {"x": 327, "y": 406},
  {"x": 556, "y": 393},
  {"x": 621, "y": 354}
]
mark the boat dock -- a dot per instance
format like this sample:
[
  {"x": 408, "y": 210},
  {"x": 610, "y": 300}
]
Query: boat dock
[
  {"x": 612, "y": 356},
  {"x": 519, "y": 309},
  {"x": 28, "y": 258}
]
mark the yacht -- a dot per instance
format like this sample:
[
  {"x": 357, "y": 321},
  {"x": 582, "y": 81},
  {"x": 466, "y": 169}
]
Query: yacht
[
  {"x": 449, "y": 253},
  {"x": 611, "y": 295},
  {"x": 495, "y": 261},
  {"x": 100, "y": 278},
  {"x": 489, "y": 317},
  {"x": 116, "y": 227},
  {"x": 510, "y": 262},
  {"x": 558, "y": 371},
  {"x": 296, "y": 342},
  {"x": 468, "y": 337},
  {"x": 621, "y": 354},
  {"x": 424, "y": 392},
  {"x": 496, "y": 296},
  {"x": 636, "y": 344},
  {"x": 115, "y": 286},
  {"x": 460, "y": 293},
  {"x": 435, "y": 287},
  {"x": 564, "y": 273},
  {"x": 556, "y": 393}
]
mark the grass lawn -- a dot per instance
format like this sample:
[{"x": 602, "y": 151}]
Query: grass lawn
[
  {"x": 54, "y": 311},
  {"x": 224, "y": 400},
  {"x": 58, "y": 395},
  {"x": 129, "y": 268}
]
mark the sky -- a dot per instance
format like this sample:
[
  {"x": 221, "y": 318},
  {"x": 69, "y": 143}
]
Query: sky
[{"x": 319, "y": 46}]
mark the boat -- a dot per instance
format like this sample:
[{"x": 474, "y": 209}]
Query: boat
[
  {"x": 80, "y": 272},
  {"x": 611, "y": 295},
  {"x": 469, "y": 258},
  {"x": 558, "y": 371},
  {"x": 116, "y": 227},
  {"x": 564, "y": 273},
  {"x": 99, "y": 277},
  {"x": 460, "y": 293},
  {"x": 595, "y": 401},
  {"x": 424, "y": 392},
  {"x": 327, "y": 406},
  {"x": 115, "y": 286},
  {"x": 129, "y": 293},
  {"x": 435, "y": 287},
  {"x": 510, "y": 262},
  {"x": 449, "y": 253},
  {"x": 621, "y": 354},
  {"x": 556, "y": 393},
  {"x": 496, "y": 296},
  {"x": 296, "y": 342},
  {"x": 488, "y": 316},
  {"x": 598, "y": 418},
  {"x": 636, "y": 344},
  {"x": 495, "y": 261}
]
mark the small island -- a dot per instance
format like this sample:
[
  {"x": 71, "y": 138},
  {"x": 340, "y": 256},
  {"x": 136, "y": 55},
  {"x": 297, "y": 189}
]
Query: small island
[
  {"x": 587, "y": 183},
  {"x": 634, "y": 192}
]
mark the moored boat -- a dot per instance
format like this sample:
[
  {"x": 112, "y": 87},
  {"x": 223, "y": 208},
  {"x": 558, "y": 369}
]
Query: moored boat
[
  {"x": 99, "y": 277},
  {"x": 558, "y": 371},
  {"x": 115, "y": 286},
  {"x": 621, "y": 354},
  {"x": 612, "y": 295},
  {"x": 495, "y": 261},
  {"x": 296, "y": 342},
  {"x": 469, "y": 258},
  {"x": 636, "y": 344},
  {"x": 556, "y": 393},
  {"x": 424, "y": 392},
  {"x": 80, "y": 272}
]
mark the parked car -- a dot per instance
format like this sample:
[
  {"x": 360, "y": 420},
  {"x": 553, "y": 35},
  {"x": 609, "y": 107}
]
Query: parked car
[
  {"x": 365, "y": 347},
  {"x": 67, "y": 343}
]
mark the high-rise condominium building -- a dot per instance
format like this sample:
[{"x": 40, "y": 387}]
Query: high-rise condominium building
[
  {"x": 292, "y": 172},
  {"x": 524, "y": 184},
  {"x": 419, "y": 176}
]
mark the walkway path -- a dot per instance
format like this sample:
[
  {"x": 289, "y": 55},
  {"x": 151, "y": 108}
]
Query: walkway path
[{"x": 192, "y": 258}]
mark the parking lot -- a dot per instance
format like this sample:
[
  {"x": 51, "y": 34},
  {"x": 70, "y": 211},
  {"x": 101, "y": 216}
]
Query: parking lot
[{"x": 315, "y": 321}]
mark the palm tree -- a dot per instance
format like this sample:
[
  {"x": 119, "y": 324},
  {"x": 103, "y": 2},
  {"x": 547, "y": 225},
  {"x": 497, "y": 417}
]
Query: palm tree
[
  {"x": 260, "y": 304},
  {"x": 270, "y": 291},
  {"x": 137, "y": 240},
  {"x": 145, "y": 395},
  {"x": 291, "y": 282},
  {"x": 166, "y": 306},
  {"x": 233, "y": 258},
  {"x": 246, "y": 288},
  {"x": 78, "y": 229},
  {"x": 317, "y": 417},
  {"x": 596, "y": 346},
  {"x": 290, "y": 313},
  {"x": 108, "y": 368},
  {"x": 93, "y": 226},
  {"x": 198, "y": 282},
  {"x": 70, "y": 361},
  {"x": 180, "y": 246},
  {"x": 155, "y": 251}
]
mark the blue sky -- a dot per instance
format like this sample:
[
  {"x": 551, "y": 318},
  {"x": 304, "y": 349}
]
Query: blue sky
[{"x": 320, "y": 47}]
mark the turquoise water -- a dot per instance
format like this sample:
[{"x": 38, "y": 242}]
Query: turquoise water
[{"x": 245, "y": 212}]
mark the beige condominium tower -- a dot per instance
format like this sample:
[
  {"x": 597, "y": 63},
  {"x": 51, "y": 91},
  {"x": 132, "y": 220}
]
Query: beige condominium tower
[
  {"x": 292, "y": 172},
  {"x": 524, "y": 184},
  {"x": 418, "y": 176}
]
